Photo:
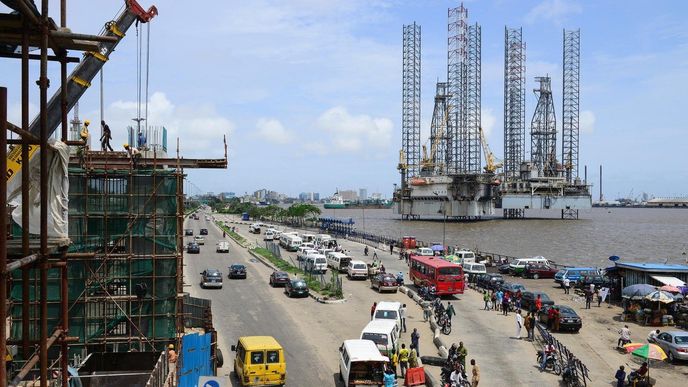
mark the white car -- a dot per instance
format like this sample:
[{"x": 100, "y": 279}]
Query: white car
[
  {"x": 199, "y": 240},
  {"x": 301, "y": 256},
  {"x": 222, "y": 247}
]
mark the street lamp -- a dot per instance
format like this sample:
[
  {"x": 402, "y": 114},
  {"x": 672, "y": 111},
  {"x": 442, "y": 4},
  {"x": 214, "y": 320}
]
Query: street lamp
[{"x": 443, "y": 210}]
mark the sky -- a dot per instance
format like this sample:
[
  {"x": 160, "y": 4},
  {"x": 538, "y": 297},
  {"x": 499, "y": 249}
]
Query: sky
[{"x": 308, "y": 92}]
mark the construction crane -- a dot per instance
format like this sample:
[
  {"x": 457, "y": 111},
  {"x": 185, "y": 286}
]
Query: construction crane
[{"x": 491, "y": 164}]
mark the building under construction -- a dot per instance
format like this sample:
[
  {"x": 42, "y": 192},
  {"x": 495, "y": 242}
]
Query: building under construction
[
  {"x": 446, "y": 178},
  {"x": 90, "y": 244}
]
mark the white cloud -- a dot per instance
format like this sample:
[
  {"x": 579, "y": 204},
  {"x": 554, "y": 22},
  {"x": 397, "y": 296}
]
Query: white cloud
[
  {"x": 270, "y": 129},
  {"x": 355, "y": 132},
  {"x": 200, "y": 128},
  {"x": 555, "y": 11},
  {"x": 587, "y": 121}
]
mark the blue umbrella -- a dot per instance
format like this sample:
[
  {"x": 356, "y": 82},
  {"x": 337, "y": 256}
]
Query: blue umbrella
[
  {"x": 437, "y": 248},
  {"x": 637, "y": 292}
]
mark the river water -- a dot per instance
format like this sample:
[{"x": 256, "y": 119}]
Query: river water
[{"x": 634, "y": 234}]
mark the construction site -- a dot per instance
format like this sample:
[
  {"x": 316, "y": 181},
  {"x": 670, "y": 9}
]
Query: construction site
[
  {"x": 91, "y": 242},
  {"x": 445, "y": 177}
]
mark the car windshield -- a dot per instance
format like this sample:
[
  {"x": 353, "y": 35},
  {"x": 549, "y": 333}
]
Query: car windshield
[
  {"x": 281, "y": 275},
  {"x": 359, "y": 266},
  {"x": 681, "y": 339},
  {"x": 388, "y": 277},
  {"x": 543, "y": 296},
  {"x": 566, "y": 309},
  {"x": 377, "y": 338},
  {"x": 449, "y": 271},
  {"x": 298, "y": 284},
  {"x": 497, "y": 278},
  {"x": 238, "y": 267},
  {"x": 386, "y": 314},
  {"x": 320, "y": 260},
  {"x": 213, "y": 274}
]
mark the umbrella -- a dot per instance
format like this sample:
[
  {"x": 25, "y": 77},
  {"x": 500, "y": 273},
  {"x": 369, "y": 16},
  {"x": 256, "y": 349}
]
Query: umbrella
[
  {"x": 452, "y": 258},
  {"x": 646, "y": 351},
  {"x": 660, "y": 296},
  {"x": 630, "y": 347},
  {"x": 637, "y": 292},
  {"x": 437, "y": 248},
  {"x": 670, "y": 289}
]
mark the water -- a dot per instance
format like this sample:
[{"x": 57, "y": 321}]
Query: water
[{"x": 634, "y": 234}]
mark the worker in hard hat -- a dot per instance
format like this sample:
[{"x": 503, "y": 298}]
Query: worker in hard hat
[
  {"x": 134, "y": 154},
  {"x": 81, "y": 151},
  {"x": 105, "y": 137},
  {"x": 172, "y": 361}
]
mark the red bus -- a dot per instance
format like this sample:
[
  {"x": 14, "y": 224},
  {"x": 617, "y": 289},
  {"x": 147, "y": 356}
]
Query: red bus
[{"x": 447, "y": 277}]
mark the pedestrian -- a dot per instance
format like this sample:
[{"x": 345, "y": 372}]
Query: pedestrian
[
  {"x": 372, "y": 310},
  {"x": 402, "y": 315},
  {"x": 588, "y": 299},
  {"x": 450, "y": 311},
  {"x": 427, "y": 311},
  {"x": 403, "y": 360},
  {"x": 493, "y": 300},
  {"x": 374, "y": 255},
  {"x": 476, "y": 374},
  {"x": 413, "y": 358},
  {"x": 105, "y": 137},
  {"x": 505, "y": 304},
  {"x": 415, "y": 338},
  {"x": 567, "y": 285},
  {"x": 519, "y": 324},
  {"x": 538, "y": 304},
  {"x": 517, "y": 298},
  {"x": 390, "y": 377},
  {"x": 599, "y": 298},
  {"x": 528, "y": 323},
  {"x": 365, "y": 251},
  {"x": 486, "y": 299},
  {"x": 394, "y": 360},
  {"x": 620, "y": 377},
  {"x": 557, "y": 319},
  {"x": 462, "y": 353},
  {"x": 224, "y": 234},
  {"x": 391, "y": 249},
  {"x": 500, "y": 295}
]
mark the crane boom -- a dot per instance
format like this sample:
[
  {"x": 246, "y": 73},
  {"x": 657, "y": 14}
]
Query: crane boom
[{"x": 80, "y": 79}]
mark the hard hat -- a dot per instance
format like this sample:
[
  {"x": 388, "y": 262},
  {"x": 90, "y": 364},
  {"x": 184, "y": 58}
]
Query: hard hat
[
  {"x": 87, "y": 122},
  {"x": 171, "y": 346},
  {"x": 126, "y": 145}
]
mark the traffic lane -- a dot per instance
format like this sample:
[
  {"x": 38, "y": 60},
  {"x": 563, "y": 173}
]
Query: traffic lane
[{"x": 262, "y": 311}]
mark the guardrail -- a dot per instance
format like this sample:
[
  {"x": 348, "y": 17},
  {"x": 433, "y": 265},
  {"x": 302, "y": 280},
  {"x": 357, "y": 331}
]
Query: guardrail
[{"x": 579, "y": 370}]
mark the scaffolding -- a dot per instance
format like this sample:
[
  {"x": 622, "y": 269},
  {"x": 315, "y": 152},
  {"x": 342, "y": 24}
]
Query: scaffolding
[
  {"x": 543, "y": 130},
  {"x": 410, "y": 104},
  {"x": 514, "y": 103},
  {"x": 439, "y": 133},
  {"x": 457, "y": 56},
  {"x": 472, "y": 144},
  {"x": 571, "y": 104}
]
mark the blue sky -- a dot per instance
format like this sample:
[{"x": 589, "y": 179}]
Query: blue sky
[{"x": 309, "y": 92}]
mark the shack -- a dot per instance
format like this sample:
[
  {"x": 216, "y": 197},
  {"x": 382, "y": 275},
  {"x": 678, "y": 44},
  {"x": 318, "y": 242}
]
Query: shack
[{"x": 651, "y": 273}]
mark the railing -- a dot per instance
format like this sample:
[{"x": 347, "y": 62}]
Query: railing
[
  {"x": 160, "y": 372},
  {"x": 566, "y": 357}
]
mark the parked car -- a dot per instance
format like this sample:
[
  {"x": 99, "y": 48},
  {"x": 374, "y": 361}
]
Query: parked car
[
  {"x": 199, "y": 240},
  {"x": 598, "y": 280},
  {"x": 512, "y": 287},
  {"x": 528, "y": 300},
  {"x": 222, "y": 247},
  {"x": 237, "y": 270},
  {"x": 301, "y": 256},
  {"x": 538, "y": 270},
  {"x": 674, "y": 344},
  {"x": 211, "y": 278},
  {"x": 490, "y": 281},
  {"x": 279, "y": 278},
  {"x": 568, "y": 320},
  {"x": 384, "y": 282},
  {"x": 204, "y": 231},
  {"x": 193, "y": 248},
  {"x": 296, "y": 287},
  {"x": 207, "y": 218},
  {"x": 188, "y": 231},
  {"x": 504, "y": 269}
]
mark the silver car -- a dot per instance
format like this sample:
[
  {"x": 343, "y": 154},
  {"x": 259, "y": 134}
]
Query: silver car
[{"x": 674, "y": 344}]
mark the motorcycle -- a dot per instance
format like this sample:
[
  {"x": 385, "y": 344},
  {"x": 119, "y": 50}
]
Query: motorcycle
[
  {"x": 445, "y": 324},
  {"x": 569, "y": 375},
  {"x": 439, "y": 309},
  {"x": 551, "y": 364}
]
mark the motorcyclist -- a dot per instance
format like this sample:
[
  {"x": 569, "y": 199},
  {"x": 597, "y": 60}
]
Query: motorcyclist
[
  {"x": 624, "y": 336},
  {"x": 548, "y": 351},
  {"x": 400, "y": 278},
  {"x": 365, "y": 251},
  {"x": 458, "y": 376}
]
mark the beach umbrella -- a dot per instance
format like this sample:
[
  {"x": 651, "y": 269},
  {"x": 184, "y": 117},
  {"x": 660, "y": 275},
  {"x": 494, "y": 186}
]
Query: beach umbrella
[
  {"x": 452, "y": 258},
  {"x": 437, "y": 248},
  {"x": 670, "y": 289},
  {"x": 630, "y": 347},
  {"x": 637, "y": 292},
  {"x": 646, "y": 351},
  {"x": 660, "y": 296}
]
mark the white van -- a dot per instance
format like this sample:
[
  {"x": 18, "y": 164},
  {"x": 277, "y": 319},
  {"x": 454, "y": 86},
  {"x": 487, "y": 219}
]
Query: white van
[
  {"x": 254, "y": 228},
  {"x": 357, "y": 269},
  {"x": 222, "y": 247},
  {"x": 474, "y": 269},
  {"x": 425, "y": 251},
  {"x": 518, "y": 266},
  {"x": 360, "y": 362},
  {"x": 269, "y": 235},
  {"x": 465, "y": 256},
  {"x": 384, "y": 334},
  {"x": 290, "y": 242},
  {"x": 388, "y": 310},
  {"x": 304, "y": 252},
  {"x": 338, "y": 261},
  {"x": 316, "y": 263},
  {"x": 277, "y": 234},
  {"x": 320, "y": 239},
  {"x": 308, "y": 238}
]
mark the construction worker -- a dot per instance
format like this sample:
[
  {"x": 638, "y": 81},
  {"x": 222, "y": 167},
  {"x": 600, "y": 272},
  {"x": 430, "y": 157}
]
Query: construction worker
[
  {"x": 134, "y": 154},
  {"x": 106, "y": 137},
  {"x": 172, "y": 360},
  {"x": 83, "y": 134}
]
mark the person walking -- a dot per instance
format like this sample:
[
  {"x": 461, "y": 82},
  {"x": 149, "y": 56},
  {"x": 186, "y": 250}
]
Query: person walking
[
  {"x": 599, "y": 297},
  {"x": 486, "y": 299},
  {"x": 500, "y": 295},
  {"x": 450, "y": 311},
  {"x": 528, "y": 324},
  {"x": 415, "y": 339},
  {"x": 394, "y": 361},
  {"x": 557, "y": 318},
  {"x": 567, "y": 285},
  {"x": 413, "y": 358},
  {"x": 519, "y": 324},
  {"x": 620, "y": 377},
  {"x": 538, "y": 304},
  {"x": 391, "y": 249},
  {"x": 505, "y": 304},
  {"x": 365, "y": 251},
  {"x": 462, "y": 353},
  {"x": 493, "y": 299},
  {"x": 476, "y": 374},
  {"x": 402, "y": 315},
  {"x": 372, "y": 310},
  {"x": 403, "y": 360},
  {"x": 427, "y": 311},
  {"x": 390, "y": 377},
  {"x": 105, "y": 137},
  {"x": 588, "y": 299}
]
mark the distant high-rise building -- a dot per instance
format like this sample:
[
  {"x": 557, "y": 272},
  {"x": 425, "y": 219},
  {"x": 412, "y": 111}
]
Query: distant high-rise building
[
  {"x": 376, "y": 196},
  {"x": 363, "y": 194},
  {"x": 349, "y": 195},
  {"x": 303, "y": 196},
  {"x": 316, "y": 197},
  {"x": 261, "y": 194},
  {"x": 228, "y": 195}
]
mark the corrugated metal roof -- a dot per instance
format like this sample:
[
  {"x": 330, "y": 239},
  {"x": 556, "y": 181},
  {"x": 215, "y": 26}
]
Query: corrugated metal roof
[{"x": 653, "y": 267}]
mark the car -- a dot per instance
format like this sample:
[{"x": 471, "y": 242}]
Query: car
[
  {"x": 237, "y": 270},
  {"x": 199, "y": 240},
  {"x": 384, "y": 282},
  {"x": 188, "y": 231},
  {"x": 296, "y": 287},
  {"x": 600, "y": 281},
  {"x": 504, "y": 269},
  {"x": 279, "y": 278},
  {"x": 222, "y": 247},
  {"x": 193, "y": 248},
  {"x": 569, "y": 319},
  {"x": 528, "y": 300},
  {"x": 674, "y": 344},
  {"x": 490, "y": 281},
  {"x": 211, "y": 278},
  {"x": 539, "y": 270},
  {"x": 301, "y": 256},
  {"x": 512, "y": 287},
  {"x": 207, "y": 218},
  {"x": 204, "y": 231}
]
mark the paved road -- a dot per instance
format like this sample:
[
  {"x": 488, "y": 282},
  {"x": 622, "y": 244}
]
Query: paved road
[{"x": 251, "y": 307}]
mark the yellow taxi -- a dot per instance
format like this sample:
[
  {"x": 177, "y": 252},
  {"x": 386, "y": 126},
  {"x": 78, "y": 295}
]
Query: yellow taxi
[{"x": 259, "y": 361}]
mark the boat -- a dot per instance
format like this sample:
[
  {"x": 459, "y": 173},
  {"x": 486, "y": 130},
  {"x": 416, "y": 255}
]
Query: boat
[{"x": 337, "y": 202}]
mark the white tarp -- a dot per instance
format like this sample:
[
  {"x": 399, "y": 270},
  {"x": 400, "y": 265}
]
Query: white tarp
[
  {"x": 673, "y": 281},
  {"x": 58, "y": 186}
]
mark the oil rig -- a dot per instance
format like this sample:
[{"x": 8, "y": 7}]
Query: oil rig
[{"x": 446, "y": 177}]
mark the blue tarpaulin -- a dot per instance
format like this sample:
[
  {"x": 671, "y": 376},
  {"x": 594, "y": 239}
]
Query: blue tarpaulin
[{"x": 194, "y": 359}]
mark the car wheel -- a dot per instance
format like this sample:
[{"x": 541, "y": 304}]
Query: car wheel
[
  {"x": 341, "y": 377},
  {"x": 271, "y": 283},
  {"x": 536, "y": 276},
  {"x": 671, "y": 357}
]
